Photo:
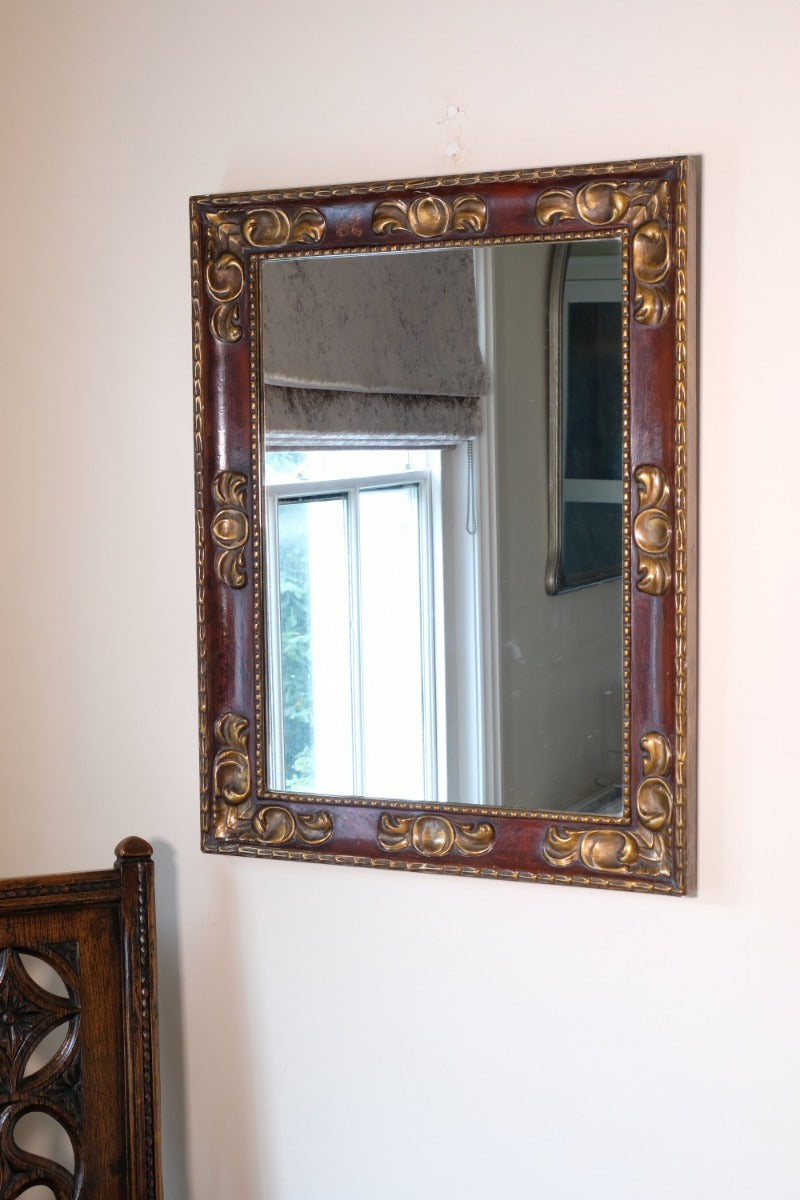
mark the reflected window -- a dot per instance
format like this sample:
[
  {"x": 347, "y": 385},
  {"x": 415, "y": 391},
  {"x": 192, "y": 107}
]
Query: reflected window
[{"x": 352, "y": 644}]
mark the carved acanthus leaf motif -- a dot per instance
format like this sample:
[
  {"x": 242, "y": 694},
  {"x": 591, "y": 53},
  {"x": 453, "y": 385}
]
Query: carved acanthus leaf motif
[
  {"x": 224, "y": 283},
  {"x": 431, "y": 216},
  {"x": 434, "y": 836},
  {"x": 276, "y": 825},
  {"x": 643, "y": 851},
  {"x": 264, "y": 228},
  {"x": 644, "y": 205},
  {"x": 228, "y": 236},
  {"x": 230, "y": 528},
  {"x": 652, "y": 531},
  {"x": 231, "y": 763},
  {"x": 654, "y": 795}
]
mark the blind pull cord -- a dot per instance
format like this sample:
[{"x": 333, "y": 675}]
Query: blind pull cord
[{"x": 472, "y": 503}]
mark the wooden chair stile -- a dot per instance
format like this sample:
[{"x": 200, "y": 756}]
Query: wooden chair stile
[{"x": 78, "y": 956}]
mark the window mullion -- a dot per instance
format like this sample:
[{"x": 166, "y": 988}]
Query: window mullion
[{"x": 427, "y": 641}]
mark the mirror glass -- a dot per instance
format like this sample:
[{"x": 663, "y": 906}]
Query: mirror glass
[{"x": 442, "y": 514}]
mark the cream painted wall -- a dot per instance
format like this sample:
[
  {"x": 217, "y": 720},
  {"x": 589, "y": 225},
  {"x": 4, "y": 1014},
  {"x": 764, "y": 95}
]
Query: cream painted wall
[{"x": 335, "y": 1033}]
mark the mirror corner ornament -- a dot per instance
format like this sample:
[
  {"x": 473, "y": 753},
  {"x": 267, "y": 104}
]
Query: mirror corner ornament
[
  {"x": 230, "y": 235},
  {"x": 643, "y": 851},
  {"x": 644, "y": 206}
]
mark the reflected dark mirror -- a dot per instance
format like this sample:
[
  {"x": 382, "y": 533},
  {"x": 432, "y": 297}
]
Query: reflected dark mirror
[
  {"x": 410, "y": 402},
  {"x": 586, "y": 415}
]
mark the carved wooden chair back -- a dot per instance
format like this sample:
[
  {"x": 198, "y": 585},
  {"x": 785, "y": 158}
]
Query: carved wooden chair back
[{"x": 79, "y": 1033}]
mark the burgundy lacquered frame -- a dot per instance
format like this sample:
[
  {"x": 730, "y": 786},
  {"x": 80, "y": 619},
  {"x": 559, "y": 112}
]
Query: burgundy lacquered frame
[{"x": 650, "y": 206}]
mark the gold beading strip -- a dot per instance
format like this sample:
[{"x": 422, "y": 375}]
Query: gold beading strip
[
  {"x": 626, "y": 530},
  {"x": 681, "y": 528},
  {"x": 256, "y": 466},
  {"x": 334, "y": 191},
  {"x": 197, "y": 376},
  {"x": 431, "y": 867}
]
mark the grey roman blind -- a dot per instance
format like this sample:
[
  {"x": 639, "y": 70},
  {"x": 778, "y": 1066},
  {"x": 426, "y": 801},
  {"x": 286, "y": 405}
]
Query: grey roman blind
[{"x": 371, "y": 349}]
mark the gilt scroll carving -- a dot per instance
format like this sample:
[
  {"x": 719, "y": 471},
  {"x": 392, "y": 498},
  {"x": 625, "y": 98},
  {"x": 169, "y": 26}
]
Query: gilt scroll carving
[
  {"x": 642, "y": 851},
  {"x": 29, "y": 1013},
  {"x": 431, "y": 216},
  {"x": 654, "y": 795},
  {"x": 276, "y": 826},
  {"x": 643, "y": 205},
  {"x": 652, "y": 531},
  {"x": 231, "y": 763},
  {"x": 229, "y": 235},
  {"x": 230, "y": 528},
  {"x": 434, "y": 836}
]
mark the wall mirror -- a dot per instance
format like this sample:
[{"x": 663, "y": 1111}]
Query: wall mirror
[{"x": 444, "y": 439}]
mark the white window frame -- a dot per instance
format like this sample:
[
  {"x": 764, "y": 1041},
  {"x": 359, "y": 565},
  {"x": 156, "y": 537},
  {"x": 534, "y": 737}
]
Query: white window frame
[
  {"x": 470, "y": 595},
  {"x": 431, "y": 617}
]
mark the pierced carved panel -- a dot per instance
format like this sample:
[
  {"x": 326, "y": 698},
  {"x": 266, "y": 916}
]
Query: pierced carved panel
[
  {"x": 229, "y": 235},
  {"x": 231, "y": 762},
  {"x": 641, "y": 851},
  {"x": 277, "y": 826},
  {"x": 434, "y": 836},
  {"x": 431, "y": 216},
  {"x": 644, "y": 205},
  {"x": 230, "y": 528},
  {"x": 28, "y": 1014},
  {"x": 652, "y": 531}
]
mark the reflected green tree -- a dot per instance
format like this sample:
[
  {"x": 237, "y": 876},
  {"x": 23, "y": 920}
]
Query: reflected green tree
[{"x": 298, "y": 717}]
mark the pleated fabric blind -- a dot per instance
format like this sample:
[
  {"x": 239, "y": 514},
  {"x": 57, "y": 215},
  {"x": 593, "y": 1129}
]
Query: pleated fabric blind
[{"x": 371, "y": 349}]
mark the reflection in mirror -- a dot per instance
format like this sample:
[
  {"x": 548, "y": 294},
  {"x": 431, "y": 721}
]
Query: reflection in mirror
[
  {"x": 349, "y": 560},
  {"x": 585, "y": 414},
  {"x": 416, "y": 647}
]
